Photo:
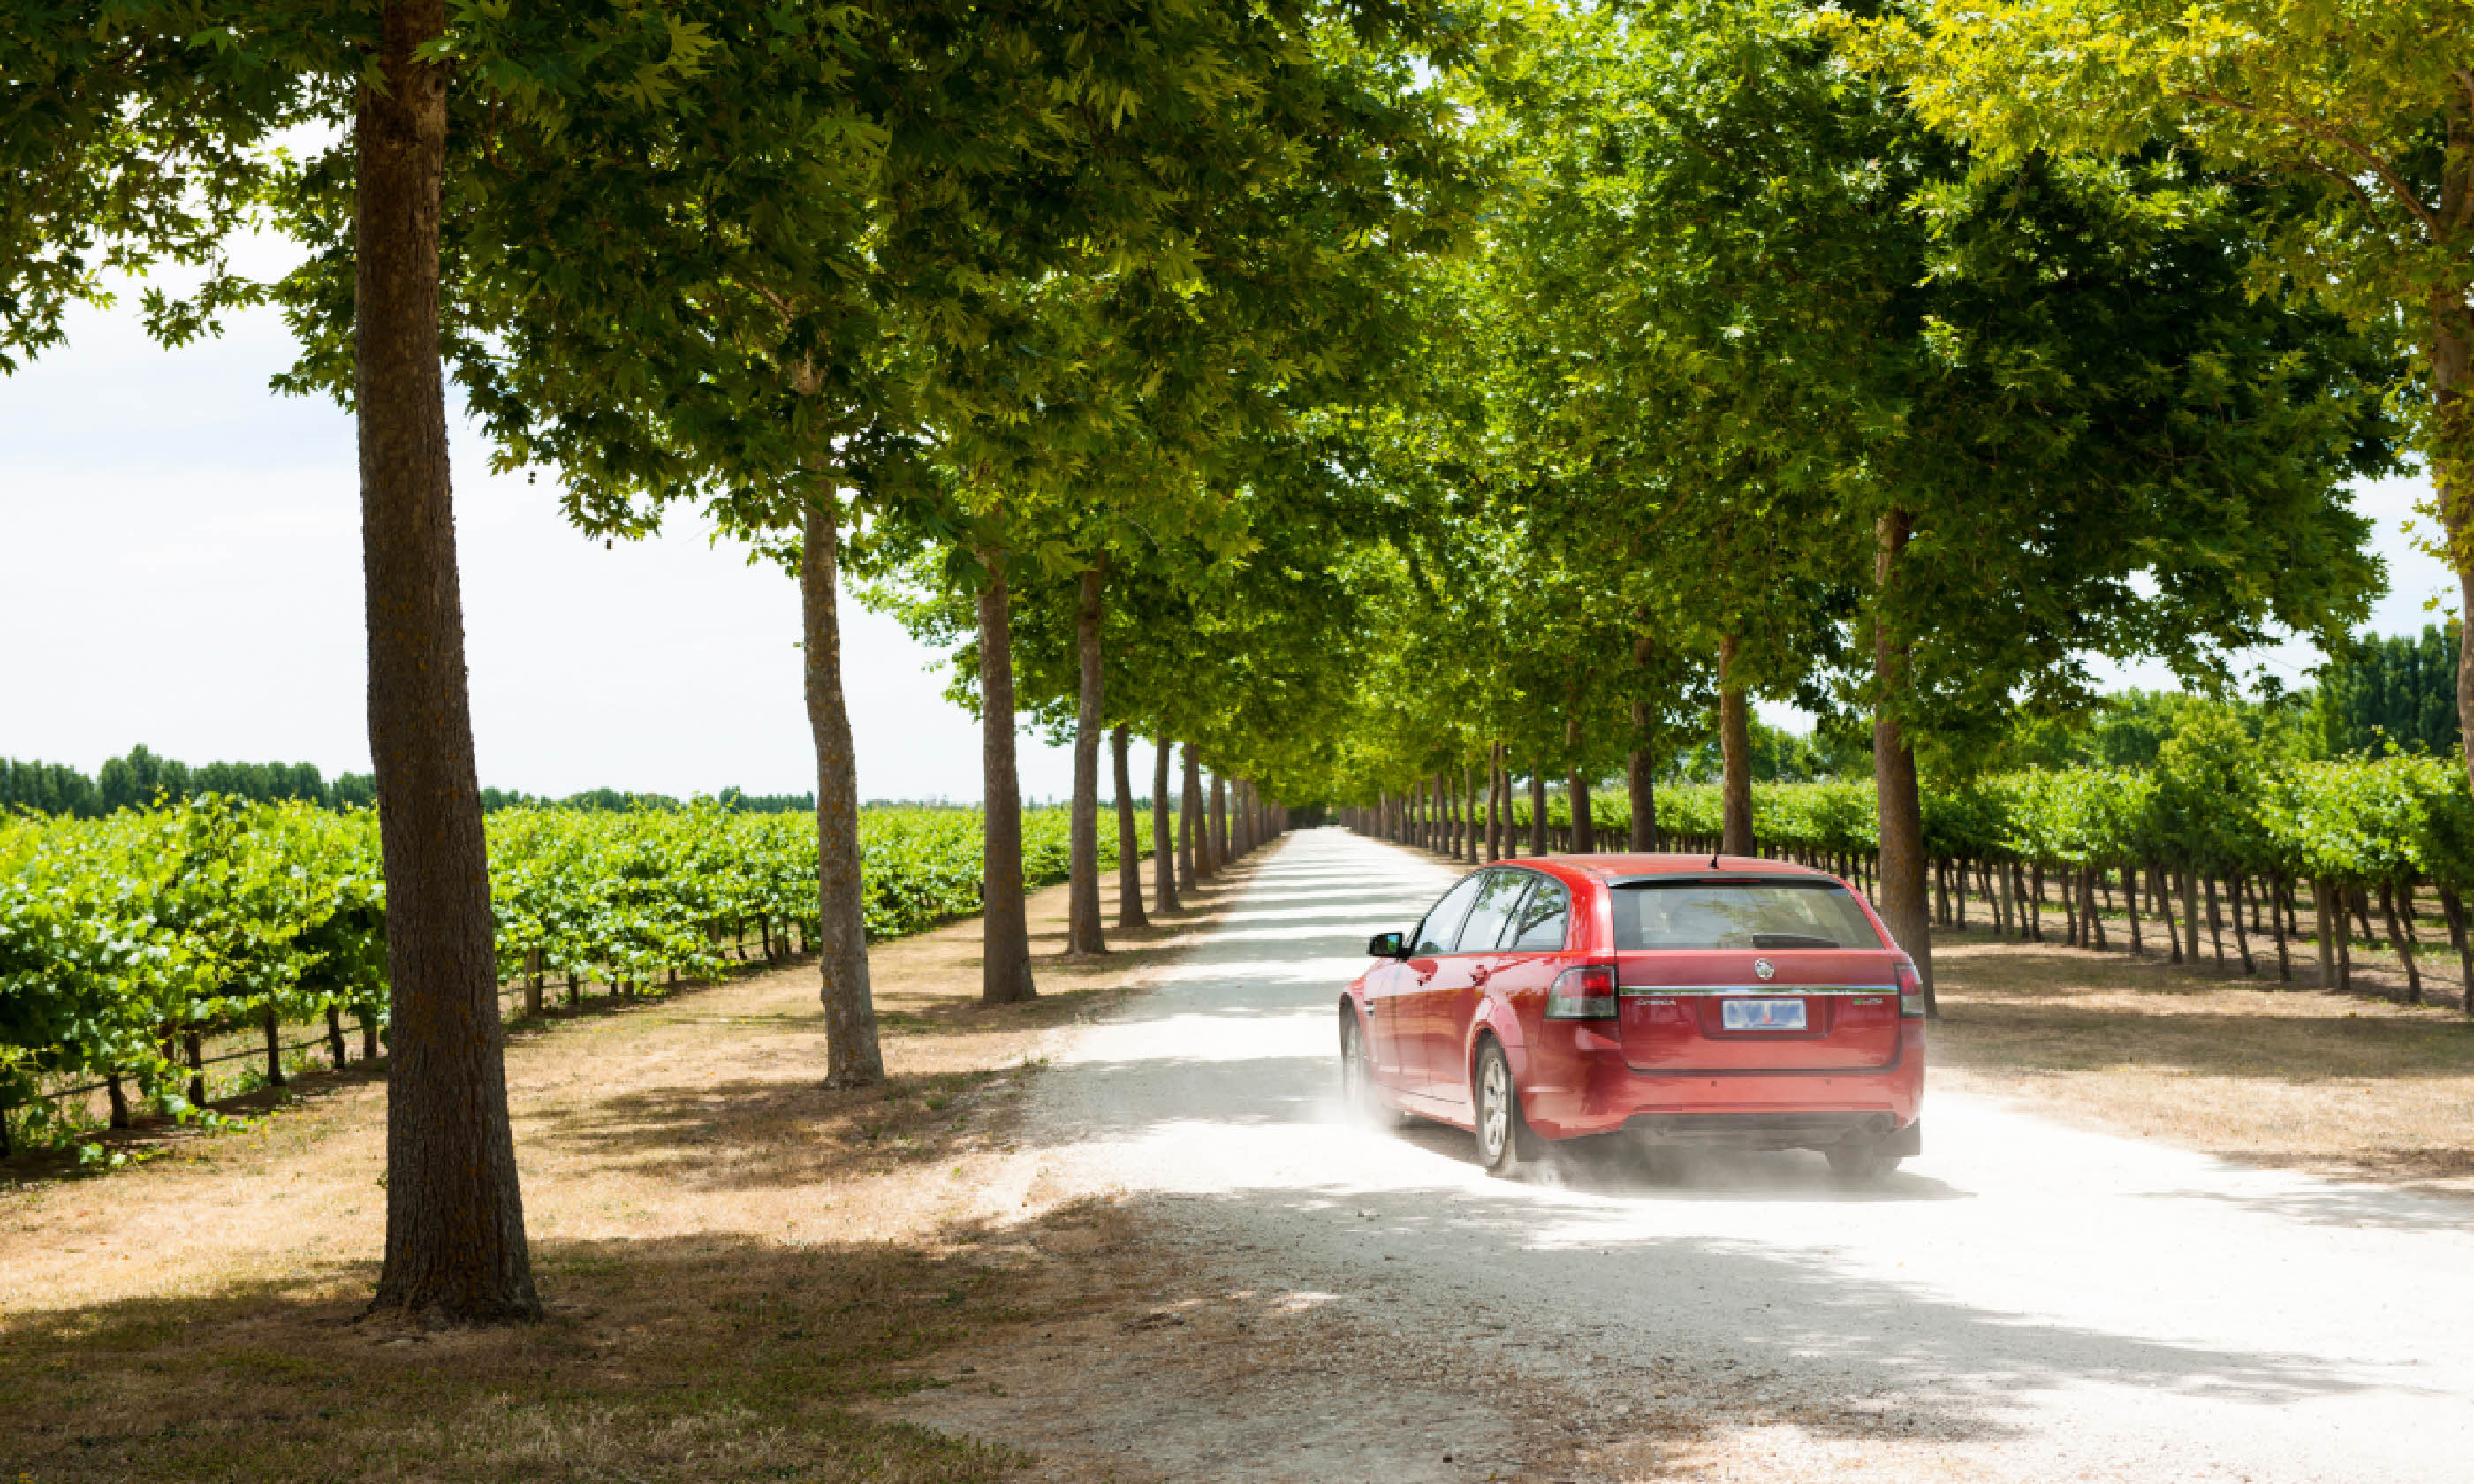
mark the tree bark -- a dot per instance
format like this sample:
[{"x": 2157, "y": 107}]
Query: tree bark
[
  {"x": 853, "y": 1058},
  {"x": 2276, "y": 921},
  {"x": 1537, "y": 814},
  {"x": 1192, "y": 851},
  {"x": 1902, "y": 899},
  {"x": 2403, "y": 941},
  {"x": 1005, "y": 960},
  {"x": 1497, "y": 814},
  {"x": 1585, "y": 836},
  {"x": 1164, "y": 849},
  {"x": 2453, "y": 907},
  {"x": 1735, "y": 755},
  {"x": 1130, "y": 845},
  {"x": 1219, "y": 818},
  {"x": 2452, "y": 454},
  {"x": 456, "y": 1247},
  {"x": 1641, "y": 784},
  {"x": 1640, "y": 767},
  {"x": 1082, "y": 925},
  {"x": 2190, "y": 918},
  {"x": 2324, "y": 924},
  {"x": 2235, "y": 889}
]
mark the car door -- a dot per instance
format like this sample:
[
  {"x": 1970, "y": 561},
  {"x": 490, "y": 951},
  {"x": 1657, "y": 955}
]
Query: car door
[
  {"x": 1386, "y": 999},
  {"x": 1526, "y": 962},
  {"x": 1455, "y": 993},
  {"x": 1429, "y": 969}
]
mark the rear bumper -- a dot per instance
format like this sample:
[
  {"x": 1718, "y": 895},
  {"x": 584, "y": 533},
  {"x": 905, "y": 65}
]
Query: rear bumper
[{"x": 1589, "y": 1091}]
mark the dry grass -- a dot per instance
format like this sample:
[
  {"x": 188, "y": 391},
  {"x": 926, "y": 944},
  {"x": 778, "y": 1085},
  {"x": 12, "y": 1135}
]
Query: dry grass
[
  {"x": 2340, "y": 1084},
  {"x": 734, "y": 1258}
]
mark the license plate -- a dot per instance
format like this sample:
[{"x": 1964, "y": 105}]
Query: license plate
[{"x": 1761, "y": 1015}]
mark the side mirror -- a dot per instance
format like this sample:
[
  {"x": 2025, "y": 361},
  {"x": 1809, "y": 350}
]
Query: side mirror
[{"x": 1387, "y": 945}]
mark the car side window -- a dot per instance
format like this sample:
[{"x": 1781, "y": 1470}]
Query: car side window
[
  {"x": 1441, "y": 928},
  {"x": 1496, "y": 902},
  {"x": 1544, "y": 917}
]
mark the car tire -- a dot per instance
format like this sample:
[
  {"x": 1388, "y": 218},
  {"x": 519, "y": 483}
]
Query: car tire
[
  {"x": 1504, "y": 1142},
  {"x": 1860, "y": 1163},
  {"x": 1357, "y": 1091}
]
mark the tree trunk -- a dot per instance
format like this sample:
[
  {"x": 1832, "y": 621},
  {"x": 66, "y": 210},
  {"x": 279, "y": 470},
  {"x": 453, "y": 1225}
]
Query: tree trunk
[
  {"x": 2276, "y": 920},
  {"x": 853, "y": 1058},
  {"x": 456, "y": 1247},
  {"x": 1164, "y": 849},
  {"x": 1900, "y": 900},
  {"x": 2190, "y": 918},
  {"x": 2236, "y": 888},
  {"x": 1192, "y": 851},
  {"x": 1640, "y": 767},
  {"x": 2130, "y": 906},
  {"x": 1495, "y": 802},
  {"x": 1735, "y": 756},
  {"x": 1082, "y": 925},
  {"x": 2322, "y": 920},
  {"x": 1130, "y": 845},
  {"x": 1584, "y": 837},
  {"x": 119, "y": 1097},
  {"x": 1468, "y": 815},
  {"x": 2216, "y": 924},
  {"x": 1218, "y": 819},
  {"x": 1537, "y": 814},
  {"x": 2453, "y": 907},
  {"x": 2451, "y": 460},
  {"x": 2403, "y": 938},
  {"x": 336, "y": 1051},
  {"x": 1005, "y": 962}
]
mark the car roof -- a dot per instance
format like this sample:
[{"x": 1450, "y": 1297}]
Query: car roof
[{"x": 1615, "y": 869}]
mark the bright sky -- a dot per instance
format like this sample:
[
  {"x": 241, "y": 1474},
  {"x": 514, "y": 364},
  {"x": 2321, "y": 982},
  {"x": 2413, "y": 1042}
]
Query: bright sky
[{"x": 183, "y": 569}]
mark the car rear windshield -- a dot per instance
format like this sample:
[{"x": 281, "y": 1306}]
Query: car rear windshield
[{"x": 1752, "y": 914}]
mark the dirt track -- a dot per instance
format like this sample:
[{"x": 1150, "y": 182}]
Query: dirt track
[{"x": 2023, "y": 1302}]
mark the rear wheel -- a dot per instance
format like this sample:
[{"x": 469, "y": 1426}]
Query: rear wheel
[
  {"x": 1357, "y": 1070},
  {"x": 1860, "y": 1163},
  {"x": 1503, "y": 1137}
]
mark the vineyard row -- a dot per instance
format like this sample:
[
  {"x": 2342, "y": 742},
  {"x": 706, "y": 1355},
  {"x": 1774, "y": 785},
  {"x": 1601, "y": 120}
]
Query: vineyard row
[{"x": 129, "y": 942}]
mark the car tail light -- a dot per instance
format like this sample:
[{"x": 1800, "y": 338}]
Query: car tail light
[
  {"x": 1585, "y": 992},
  {"x": 1911, "y": 990}
]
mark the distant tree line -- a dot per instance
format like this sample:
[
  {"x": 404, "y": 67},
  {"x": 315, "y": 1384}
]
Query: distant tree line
[
  {"x": 142, "y": 779},
  {"x": 2400, "y": 689}
]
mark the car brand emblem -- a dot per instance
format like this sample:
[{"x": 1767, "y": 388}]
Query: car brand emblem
[{"x": 1764, "y": 967}]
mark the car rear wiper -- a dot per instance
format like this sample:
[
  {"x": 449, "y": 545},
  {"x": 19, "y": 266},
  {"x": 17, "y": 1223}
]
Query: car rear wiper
[{"x": 1792, "y": 940}]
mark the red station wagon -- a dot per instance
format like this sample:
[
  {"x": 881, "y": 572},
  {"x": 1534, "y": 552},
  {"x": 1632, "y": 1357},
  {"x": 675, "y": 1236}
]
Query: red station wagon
[{"x": 1680, "y": 999}]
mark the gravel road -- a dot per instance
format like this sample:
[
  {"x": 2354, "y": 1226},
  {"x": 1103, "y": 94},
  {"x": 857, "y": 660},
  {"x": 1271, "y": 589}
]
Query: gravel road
[{"x": 2024, "y": 1300}]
